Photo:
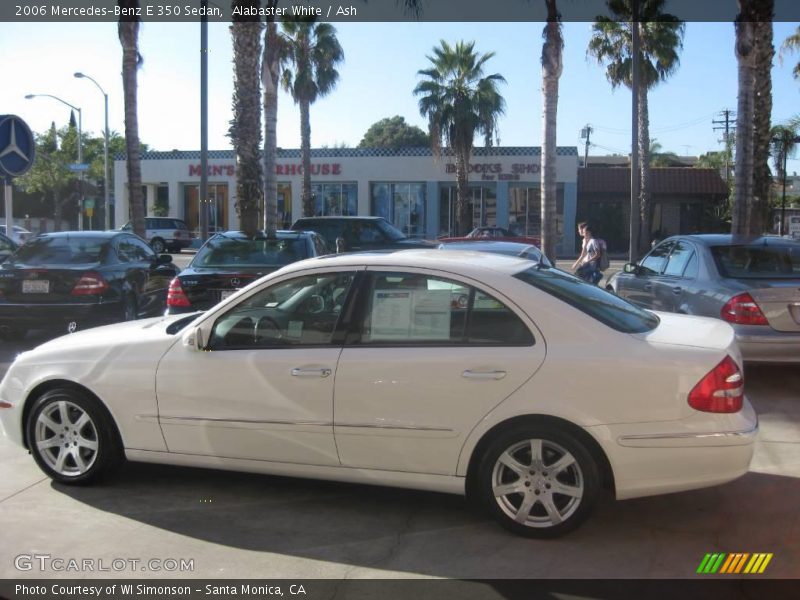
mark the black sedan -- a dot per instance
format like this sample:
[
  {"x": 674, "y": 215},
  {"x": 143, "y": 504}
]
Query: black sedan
[
  {"x": 7, "y": 247},
  {"x": 73, "y": 280},
  {"x": 229, "y": 261}
]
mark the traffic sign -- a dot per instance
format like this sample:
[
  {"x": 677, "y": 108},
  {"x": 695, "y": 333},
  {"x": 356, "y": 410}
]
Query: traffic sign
[
  {"x": 17, "y": 147},
  {"x": 78, "y": 167}
]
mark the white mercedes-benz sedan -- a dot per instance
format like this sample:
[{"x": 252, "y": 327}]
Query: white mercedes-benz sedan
[{"x": 461, "y": 372}]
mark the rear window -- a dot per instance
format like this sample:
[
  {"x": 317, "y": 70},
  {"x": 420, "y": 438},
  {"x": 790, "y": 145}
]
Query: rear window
[
  {"x": 222, "y": 251},
  {"x": 757, "y": 262},
  {"x": 596, "y": 302},
  {"x": 62, "y": 251}
]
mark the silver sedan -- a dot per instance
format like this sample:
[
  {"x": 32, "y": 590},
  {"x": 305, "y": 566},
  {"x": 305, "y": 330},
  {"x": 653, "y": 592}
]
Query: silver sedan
[{"x": 752, "y": 283}]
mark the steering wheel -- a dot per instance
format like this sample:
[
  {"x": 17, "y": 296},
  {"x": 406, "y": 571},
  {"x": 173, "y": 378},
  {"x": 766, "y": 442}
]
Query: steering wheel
[
  {"x": 316, "y": 304},
  {"x": 267, "y": 329}
]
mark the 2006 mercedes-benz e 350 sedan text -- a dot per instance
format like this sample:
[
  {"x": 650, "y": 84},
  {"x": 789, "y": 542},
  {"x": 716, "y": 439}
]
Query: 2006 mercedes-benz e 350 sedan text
[{"x": 459, "y": 372}]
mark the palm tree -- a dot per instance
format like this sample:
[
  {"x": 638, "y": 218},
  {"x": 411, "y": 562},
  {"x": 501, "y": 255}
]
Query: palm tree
[
  {"x": 661, "y": 37},
  {"x": 459, "y": 102},
  {"x": 270, "y": 76},
  {"x": 245, "y": 129},
  {"x": 552, "y": 65},
  {"x": 128, "y": 31},
  {"x": 312, "y": 54},
  {"x": 762, "y": 112},
  {"x": 789, "y": 45},
  {"x": 784, "y": 140}
]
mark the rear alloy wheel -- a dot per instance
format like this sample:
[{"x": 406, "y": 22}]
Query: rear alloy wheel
[
  {"x": 538, "y": 482},
  {"x": 157, "y": 244},
  {"x": 72, "y": 437}
]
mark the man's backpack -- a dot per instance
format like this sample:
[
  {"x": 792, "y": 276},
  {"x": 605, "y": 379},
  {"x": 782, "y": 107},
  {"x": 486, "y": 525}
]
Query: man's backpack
[{"x": 603, "y": 263}]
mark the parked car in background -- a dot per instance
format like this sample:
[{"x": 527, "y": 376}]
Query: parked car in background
[
  {"x": 752, "y": 283},
  {"x": 508, "y": 248},
  {"x": 495, "y": 233},
  {"x": 165, "y": 234},
  {"x": 7, "y": 247},
  {"x": 361, "y": 368},
  {"x": 229, "y": 261},
  {"x": 73, "y": 280},
  {"x": 359, "y": 233},
  {"x": 20, "y": 235}
]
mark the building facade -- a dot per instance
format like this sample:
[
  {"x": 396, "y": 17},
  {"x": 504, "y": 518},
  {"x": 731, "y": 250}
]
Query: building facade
[{"x": 409, "y": 187}]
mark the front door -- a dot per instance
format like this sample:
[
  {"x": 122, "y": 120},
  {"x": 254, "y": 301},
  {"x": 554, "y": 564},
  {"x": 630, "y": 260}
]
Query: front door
[
  {"x": 263, "y": 390},
  {"x": 433, "y": 357}
]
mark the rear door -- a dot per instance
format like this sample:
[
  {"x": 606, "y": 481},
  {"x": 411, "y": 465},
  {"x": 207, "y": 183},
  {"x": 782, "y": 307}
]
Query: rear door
[
  {"x": 671, "y": 287},
  {"x": 432, "y": 356}
]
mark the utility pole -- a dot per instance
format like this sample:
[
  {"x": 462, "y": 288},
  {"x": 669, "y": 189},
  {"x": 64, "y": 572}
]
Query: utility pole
[
  {"x": 728, "y": 127},
  {"x": 586, "y": 132}
]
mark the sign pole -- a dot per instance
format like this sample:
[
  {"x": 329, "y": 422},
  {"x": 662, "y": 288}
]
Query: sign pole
[{"x": 9, "y": 207}]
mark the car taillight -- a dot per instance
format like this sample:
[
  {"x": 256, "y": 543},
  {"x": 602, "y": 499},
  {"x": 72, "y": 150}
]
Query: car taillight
[
  {"x": 176, "y": 296},
  {"x": 90, "y": 284},
  {"x": 721, "y": 390},
  {"x": 743, "y": 310}
]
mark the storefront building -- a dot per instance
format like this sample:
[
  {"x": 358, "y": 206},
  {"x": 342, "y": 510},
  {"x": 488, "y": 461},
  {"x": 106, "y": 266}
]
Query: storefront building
[{"x": 409, "y": 187}]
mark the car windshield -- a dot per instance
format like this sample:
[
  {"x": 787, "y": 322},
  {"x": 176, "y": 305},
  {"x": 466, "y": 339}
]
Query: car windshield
[
  {"x": 392, "y": 232},
  {"x": 223, "y": 251},
  {"x": 596, "y": 302},
  {"x": 757, "y": 261},
  {"x": 62, "y": 251}
]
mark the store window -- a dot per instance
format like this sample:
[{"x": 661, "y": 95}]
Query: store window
[
  {"x": 335, "y": 199},
  {"x": 216, "y": 206},
  {"x": 483, "y": 205},
  {"x": 284, "y": 205},
  {"x": 402, "y": 204},
  {"x": 525, "y": 210}
]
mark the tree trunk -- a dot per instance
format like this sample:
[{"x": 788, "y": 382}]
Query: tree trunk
[
  {"x": 551, "y": 72},
  {"x": 762, "y": 108},
  {"x": 56, "y": 211},
  {"x": 744, "y": 122},
  {"x": 245, "y": 129},
  {"x": 463, "y": 204},
  {"x": 305, "y": 151},
  {"x": 270, "y": 71},
  {"x": 129, "y": 38},
  {"x": 645, "y": 186}
]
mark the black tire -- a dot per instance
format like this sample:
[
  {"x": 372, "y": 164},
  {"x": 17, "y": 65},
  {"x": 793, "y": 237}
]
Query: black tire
[
  {"x": 157, "y": 244},
  {"x": 91, "y": 448},
  {"x": 540, "y": 511},
  {"x": 129, "y": 309}
]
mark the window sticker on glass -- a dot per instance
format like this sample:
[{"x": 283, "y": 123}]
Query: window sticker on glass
[
  {"x": 295, "y": 330},
  {"x": 391, "y": 315},
  {"x": 411, "y": 315}
]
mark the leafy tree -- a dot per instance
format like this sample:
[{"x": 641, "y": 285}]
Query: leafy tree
[
  {"x": 661, "y": 37},
  {"x": 460, "y": 102},
  {"x": 312, "y": 53},
  {"x": 394, "y": 132},
  {"x": 128, "y": 31},
  {"x": 783, "y": 146},
  {"x": 245, "y": 129},
  {"x": 552, "y": 65}
]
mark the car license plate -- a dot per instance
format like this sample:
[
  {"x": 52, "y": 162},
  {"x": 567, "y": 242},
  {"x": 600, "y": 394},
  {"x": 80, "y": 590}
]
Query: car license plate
[
  {"x": 227, "y": 293},
  {"x": 35, "y": 286}
]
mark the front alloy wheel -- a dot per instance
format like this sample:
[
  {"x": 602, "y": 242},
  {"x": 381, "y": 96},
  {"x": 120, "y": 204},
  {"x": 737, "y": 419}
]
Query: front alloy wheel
[
  {"x": 539, "y": 484},
  {"x": 72, "y": 437}
]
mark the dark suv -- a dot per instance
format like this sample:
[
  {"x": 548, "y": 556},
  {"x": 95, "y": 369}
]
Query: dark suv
[
  {"x": 165, "y": 233},
  {"x": 360, "y": 233}
]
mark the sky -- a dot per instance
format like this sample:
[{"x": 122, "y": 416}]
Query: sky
[{"x": 376, "y": 81}]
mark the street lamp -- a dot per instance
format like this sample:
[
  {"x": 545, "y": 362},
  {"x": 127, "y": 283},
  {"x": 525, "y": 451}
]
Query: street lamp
[
  {"x": 106, "y": 179},
  {"x": 80, "y": 145}
]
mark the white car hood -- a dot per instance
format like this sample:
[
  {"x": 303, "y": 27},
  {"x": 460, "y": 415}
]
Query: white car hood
[{"x": 687, "y": 330}]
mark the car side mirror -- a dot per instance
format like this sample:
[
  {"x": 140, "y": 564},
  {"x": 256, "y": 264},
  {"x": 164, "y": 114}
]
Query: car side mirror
[
  {"x": 164, "y": 259},
  {"x": 631, "y": 268},
  {"x": 194, "y": 339}
]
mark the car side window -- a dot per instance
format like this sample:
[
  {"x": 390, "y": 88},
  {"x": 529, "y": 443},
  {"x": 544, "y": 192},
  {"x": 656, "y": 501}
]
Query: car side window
[
  {"x": 141, "y": 250},
  {"x": 125, "y": 251},
  {"x": 678, "y": 259},
  {"x": 693, "y": 267},
  {"x": 302, "y": 311},
  {"x": 371, "y": 234},
  {"x": 414, "y": 309},
  {"x": 653, "y": 263}
]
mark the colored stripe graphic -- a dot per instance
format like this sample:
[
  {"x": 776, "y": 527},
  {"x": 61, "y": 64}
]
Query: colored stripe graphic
[{"x": 734, "y": 563}]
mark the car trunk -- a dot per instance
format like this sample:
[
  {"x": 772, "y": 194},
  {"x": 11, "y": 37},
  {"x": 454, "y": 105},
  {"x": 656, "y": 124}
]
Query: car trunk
[
  {"x": 779, "y": 300},
  {"x": 685, "y": 330},
  {"x": 206, "y": 289},
  {"x": 42, "y": 284}
]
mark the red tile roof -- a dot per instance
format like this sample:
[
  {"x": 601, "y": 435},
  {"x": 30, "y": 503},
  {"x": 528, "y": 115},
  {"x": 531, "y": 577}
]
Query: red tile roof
[{"x": 665, "y": 180}]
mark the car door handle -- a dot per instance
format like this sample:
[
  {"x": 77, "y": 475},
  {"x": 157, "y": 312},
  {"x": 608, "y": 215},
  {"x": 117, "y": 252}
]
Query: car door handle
[
  {"x": 483, "y": 374},
  {"x": 311, "y": 372},
  {"x": 677, "y": 290}
]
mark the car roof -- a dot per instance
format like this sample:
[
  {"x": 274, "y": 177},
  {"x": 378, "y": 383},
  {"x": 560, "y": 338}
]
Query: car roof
[
  {"x": 496, "y": 245},
  {"x": 343, "y": 217},
  {"x": 463, "y": 262},
  {"x": 727, "y": 239},
  {"x": 261, "y": 234},
  {"x": 85, "y": 234}
]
